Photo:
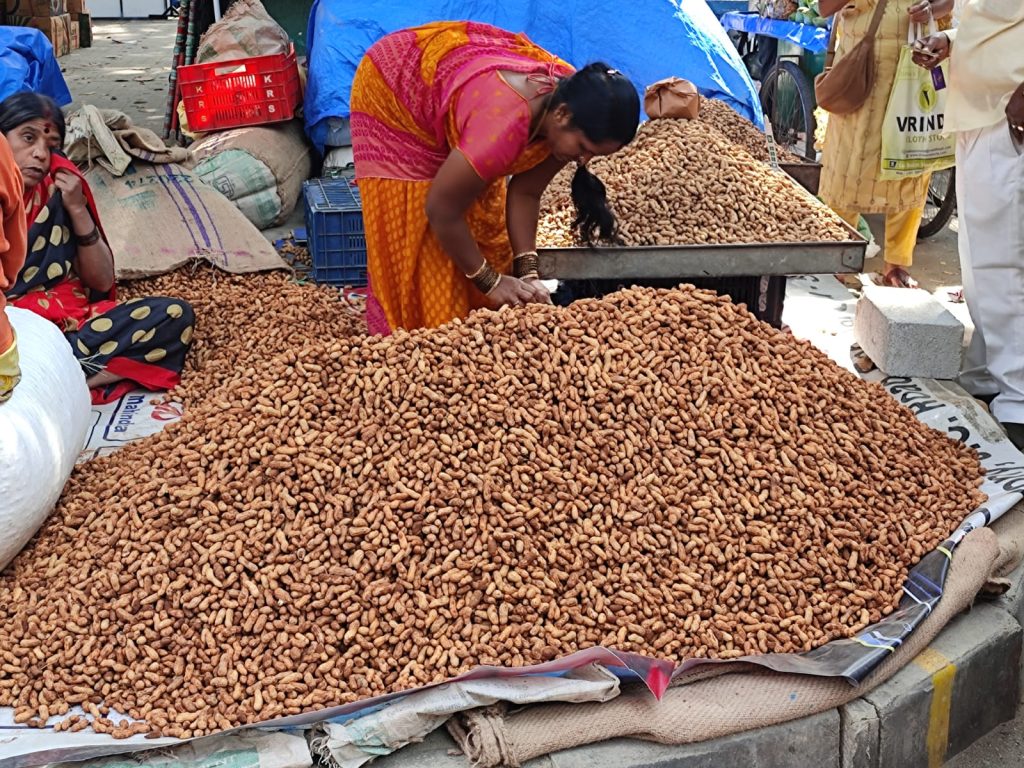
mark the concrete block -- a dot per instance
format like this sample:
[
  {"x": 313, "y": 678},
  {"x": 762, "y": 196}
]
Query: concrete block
[
  {"x": 438, "y": 750},
  {"x": 908, "y": 333},
  {"x": 1012, "y": 601},
  {"x": 955, "y": 691},
  {"x": 810, "y": 741},
  {"x": 858, "y": 737}
]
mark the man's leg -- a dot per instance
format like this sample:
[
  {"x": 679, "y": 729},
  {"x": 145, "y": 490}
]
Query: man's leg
[{"x": 990, "y": 195}]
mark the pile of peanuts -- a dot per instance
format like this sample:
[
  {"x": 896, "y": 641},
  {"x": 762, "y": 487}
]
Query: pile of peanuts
[
  {"x": 681, "y": 182},
  {"x": 655, "y": 471},
  {"x": 242, "y": 319},
  {"x": 742, "y": 132}
]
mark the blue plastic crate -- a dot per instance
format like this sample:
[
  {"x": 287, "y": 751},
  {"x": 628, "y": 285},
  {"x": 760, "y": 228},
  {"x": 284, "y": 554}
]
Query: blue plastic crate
[{"x": 334, "y": 224}]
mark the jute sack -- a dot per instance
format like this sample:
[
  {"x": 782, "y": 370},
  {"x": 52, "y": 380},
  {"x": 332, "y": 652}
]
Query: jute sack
[
  {"x": 723, "y": 704},
  {"x": 160, "y": 217},
  {"x": 259, "y": 168},
  {"x": 245, "y": 30}
]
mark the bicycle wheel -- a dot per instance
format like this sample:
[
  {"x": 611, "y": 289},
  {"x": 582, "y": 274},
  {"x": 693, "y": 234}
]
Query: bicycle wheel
[
  {"x": 787, "y": 98},
  {"x": 939, "y": 204}
]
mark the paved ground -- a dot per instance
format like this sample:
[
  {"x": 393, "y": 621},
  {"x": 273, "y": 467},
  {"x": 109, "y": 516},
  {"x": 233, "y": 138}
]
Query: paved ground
[
  {"x": 1002, "y": 747},
  {"x": 127, "y": 69}
]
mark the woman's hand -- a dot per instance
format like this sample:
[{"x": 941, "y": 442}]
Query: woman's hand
[
  {"x": 1015, "y": 113},
  {"x": 541, "y": 295},
  {"x": 924, "y": 11},
  {"x": 931, "y": 51},
  {"x": 70, "y": 186},
  {"x": 512, "y": 292},
  {"x": 94, "y": 262}
]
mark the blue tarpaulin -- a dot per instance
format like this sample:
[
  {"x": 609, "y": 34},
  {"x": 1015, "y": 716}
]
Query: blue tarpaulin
[
  {"x": 647, "y": 40},
  {"x": 27, "y": 63},
  {"x": 814, "y": 39}
]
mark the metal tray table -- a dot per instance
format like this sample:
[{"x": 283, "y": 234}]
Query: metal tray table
[
  {"x": 649, "y": 262},
  {"x": 679, "y": 261}
]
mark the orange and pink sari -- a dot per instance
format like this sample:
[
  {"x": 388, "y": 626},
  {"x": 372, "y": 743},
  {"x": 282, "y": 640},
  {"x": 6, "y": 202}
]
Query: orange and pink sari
[{"x": 417, "y": 95}]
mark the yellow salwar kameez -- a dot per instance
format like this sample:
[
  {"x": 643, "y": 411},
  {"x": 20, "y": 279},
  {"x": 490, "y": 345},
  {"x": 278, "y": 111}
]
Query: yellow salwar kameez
[{"x": 852, "y": 156}]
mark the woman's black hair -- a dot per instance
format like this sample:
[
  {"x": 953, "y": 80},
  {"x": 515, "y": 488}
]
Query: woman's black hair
[
  {"x": 604, "y": 104},
  {"x": 25, "y": 106}
]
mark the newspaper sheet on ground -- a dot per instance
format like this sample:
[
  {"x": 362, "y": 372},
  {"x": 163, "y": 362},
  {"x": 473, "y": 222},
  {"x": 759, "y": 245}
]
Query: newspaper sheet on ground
[
  {"x": 353, "y": 742},
  {"x": 819, "y": 309},
  {"x": 134, "y": 415},
  {"x": 250, "y": 749}
]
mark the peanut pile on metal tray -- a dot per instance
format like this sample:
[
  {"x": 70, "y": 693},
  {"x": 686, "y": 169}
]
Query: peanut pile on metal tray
[
  {"x": 681, "y": 182},
  {"x": 655, "y": 471},
  {"x": 742, "y": 132}
]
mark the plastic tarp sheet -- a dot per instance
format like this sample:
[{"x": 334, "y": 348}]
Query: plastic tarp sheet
[
  {"x": 654, "y": 39},
  {"x": 814, "y": 39},
  {"x": 27, "y": 63}
]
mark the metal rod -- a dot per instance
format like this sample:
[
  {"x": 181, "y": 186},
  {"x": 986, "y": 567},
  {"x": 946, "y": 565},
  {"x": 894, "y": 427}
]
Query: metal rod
[
  {"x": 190, "y": 37},
  {"x": 681, "y": 261},
  {"x": 171, "y": 112}
]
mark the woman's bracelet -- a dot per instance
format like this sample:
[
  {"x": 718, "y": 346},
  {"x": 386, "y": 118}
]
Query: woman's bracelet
[
  {"x": 90, "y": 239},
  {"x": 526, "y": 265},
  {"x": 486, "y": 278}
]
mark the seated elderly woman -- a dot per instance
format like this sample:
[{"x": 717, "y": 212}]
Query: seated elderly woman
[{"x": 68, "y": 274}]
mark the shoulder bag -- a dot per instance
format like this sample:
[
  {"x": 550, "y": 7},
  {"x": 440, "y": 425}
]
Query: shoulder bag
[{"x": 845, "y": 85}]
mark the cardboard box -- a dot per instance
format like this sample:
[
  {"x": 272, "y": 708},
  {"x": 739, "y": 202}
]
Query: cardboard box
[
  {"x": 77, "y": 6},
  {"x": 37, "y": 8},
  {"x": 75, "y": 35},
  {"x": 84, "y": 23},
  {"x": 57, "y": 29}
]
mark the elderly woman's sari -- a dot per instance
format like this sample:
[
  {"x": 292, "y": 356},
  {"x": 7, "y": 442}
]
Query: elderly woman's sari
[{"x": 143, "y": 341}]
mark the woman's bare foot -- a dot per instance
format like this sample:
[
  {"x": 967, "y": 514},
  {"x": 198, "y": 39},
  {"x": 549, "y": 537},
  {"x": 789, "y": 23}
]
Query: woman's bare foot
[
  {"x": 102, "y": 379},
  {"x": 897, "y": 277}
]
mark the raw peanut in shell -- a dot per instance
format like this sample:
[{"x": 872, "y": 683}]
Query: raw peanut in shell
[
  {"x": 655, "y": 471},
  {"x": 742, "y": 132},
  {"x": 681, "y": 182}
]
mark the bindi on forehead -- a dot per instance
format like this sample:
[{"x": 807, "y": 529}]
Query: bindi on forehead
[{"x": 49, "y": 128}]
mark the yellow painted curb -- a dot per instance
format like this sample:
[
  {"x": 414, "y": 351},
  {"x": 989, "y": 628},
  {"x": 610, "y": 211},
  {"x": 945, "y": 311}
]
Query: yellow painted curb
[{"x": 943, "y": 673}]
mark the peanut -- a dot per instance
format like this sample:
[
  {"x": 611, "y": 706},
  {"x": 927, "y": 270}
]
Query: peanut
[
  {"x": 681, "y": 182},
  {"x": 741, "y": 131},
  {"x": 655, "y": 471}
]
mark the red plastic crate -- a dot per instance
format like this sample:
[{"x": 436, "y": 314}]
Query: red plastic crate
[{"x": 229, "y": 94}]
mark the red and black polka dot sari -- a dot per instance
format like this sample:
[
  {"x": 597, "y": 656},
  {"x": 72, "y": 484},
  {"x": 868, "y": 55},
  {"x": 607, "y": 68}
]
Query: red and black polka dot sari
[{"x": 143, "y": 341}]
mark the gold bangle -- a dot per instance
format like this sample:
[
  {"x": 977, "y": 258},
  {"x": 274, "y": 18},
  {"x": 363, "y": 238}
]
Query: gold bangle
[
  {"x": 485, "y": 279},
  {"x": 526, "y": 265},
  {"x": 483, "y": 265},
  {"x": 493, "y": 287}
]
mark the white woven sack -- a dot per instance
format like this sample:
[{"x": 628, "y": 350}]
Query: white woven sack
[{"x": 42, "y": 430}]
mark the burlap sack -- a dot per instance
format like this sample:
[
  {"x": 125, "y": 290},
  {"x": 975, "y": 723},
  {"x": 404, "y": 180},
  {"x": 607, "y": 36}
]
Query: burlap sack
[
  {"x": 259, "y": 168},
  {"x": 159, "y": 217},
  {"x": 672, "y": 97},
  {"x": 108, "y": 137},
  {"x": 245, "y": 30},
  {"x": 708, "y": 708}
]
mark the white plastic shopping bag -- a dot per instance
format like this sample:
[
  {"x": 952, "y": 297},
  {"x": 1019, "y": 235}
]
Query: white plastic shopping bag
[{"x": 914, "y": 140}]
